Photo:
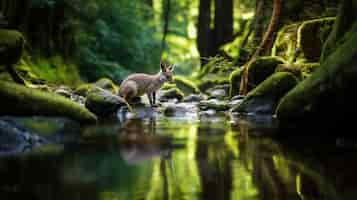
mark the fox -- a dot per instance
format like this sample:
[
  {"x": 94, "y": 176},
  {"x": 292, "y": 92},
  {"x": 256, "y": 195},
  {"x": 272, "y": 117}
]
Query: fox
[{"x": 138, "y": 84}]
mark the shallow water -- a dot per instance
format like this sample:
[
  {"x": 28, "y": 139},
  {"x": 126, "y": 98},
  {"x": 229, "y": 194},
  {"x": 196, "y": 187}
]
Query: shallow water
[{"x": 173, "y": 158}]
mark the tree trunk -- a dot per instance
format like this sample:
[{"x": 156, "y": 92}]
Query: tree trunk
[
  {"x": 166, "y": 24},
  {"x": 344, "y": 21},
  {"x": 204, "y": 30},
  {"x": 223, "y": 22},
  {"x": 258, "y": 22}
]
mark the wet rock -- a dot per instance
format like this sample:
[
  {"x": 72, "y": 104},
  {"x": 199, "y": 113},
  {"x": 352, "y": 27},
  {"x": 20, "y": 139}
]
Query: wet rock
[
  {"x": 180, "y": 109},
  {"x": 173, "y": 93},
  {"x": 214, "y": 104},
  {"x": 141, "y": 112},
  {"x": 264, "y": 98},
  {"x": 102, "y": 102},
  {"x": 22, "y": 101},
  {"x": 193, "y": 98},
  {"x": 219, "y": 91}
]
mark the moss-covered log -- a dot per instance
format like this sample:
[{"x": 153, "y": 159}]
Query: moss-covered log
[{"x": 21, "y": 101}]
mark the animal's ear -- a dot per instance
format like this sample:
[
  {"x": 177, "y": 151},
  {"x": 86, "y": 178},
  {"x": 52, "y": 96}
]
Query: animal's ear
[
  {"x": 172, "y": 68},
  {"x": 163, "y": 66}
]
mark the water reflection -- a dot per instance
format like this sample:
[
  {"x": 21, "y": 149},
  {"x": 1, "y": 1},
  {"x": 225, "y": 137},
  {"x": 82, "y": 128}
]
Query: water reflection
[{"x": 177, "y": 159}]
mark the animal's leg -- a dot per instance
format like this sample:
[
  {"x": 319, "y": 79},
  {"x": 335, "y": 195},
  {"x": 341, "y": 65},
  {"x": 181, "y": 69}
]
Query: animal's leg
[
  {"x": 149, "y": 95},
  {"x": 128, "y": 105},
  {"x": 154, "y": 98}
]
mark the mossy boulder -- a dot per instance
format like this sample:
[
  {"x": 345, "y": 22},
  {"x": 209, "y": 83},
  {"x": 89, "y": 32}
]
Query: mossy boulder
[
  {"x": 102, "y": 102},
  {"x": 302, "y": 41},
  {"x": 22, "y": 101},
  {"x": 264, "y": 98},
  {"x": 328, "y": 94},
  {"x": 260, "y": 69},
  {"x": 311, "y": 36},
  {"x": 107, "y": 84},
  {"x": 185, "y": 85},
  {"x": 83, "y": 89},
  {"x": 103, "y": 83},
  {"x": 11, "y": 46}
]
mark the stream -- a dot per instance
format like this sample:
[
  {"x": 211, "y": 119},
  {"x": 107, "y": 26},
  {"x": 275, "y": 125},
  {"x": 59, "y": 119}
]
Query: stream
[{"x": 215, "y": 157}]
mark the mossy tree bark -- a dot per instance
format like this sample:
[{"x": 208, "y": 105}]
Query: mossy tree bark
[{"x": 346, "y": 17}]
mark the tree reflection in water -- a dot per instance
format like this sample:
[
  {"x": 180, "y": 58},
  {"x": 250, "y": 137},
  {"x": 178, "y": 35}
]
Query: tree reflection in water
[{"x": 177, "y": 159}]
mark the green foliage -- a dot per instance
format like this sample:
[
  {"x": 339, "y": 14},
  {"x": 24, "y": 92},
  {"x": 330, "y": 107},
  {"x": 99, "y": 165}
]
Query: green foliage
[{"x": 116, "y": 39}]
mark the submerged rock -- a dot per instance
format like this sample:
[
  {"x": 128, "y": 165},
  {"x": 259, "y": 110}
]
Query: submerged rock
[
  {"x": 103, "y": 102},
  {"x": 22, "y": 101},
  {"x": 264, "y": 98}
]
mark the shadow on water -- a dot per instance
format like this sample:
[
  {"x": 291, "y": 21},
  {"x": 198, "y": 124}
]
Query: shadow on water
[{"x": 168, "y": 158}]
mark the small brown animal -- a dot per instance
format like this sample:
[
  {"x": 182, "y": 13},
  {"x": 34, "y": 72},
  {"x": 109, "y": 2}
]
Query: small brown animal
[{"x": 136, "y": 85}]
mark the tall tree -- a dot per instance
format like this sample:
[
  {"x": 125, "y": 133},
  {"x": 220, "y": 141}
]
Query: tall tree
[
  {"x": 166, "y": 16},
  {"x": 204, "y": 30},
  {"x": 223, "y": 22},
  {"x": 210, "y": 39}
]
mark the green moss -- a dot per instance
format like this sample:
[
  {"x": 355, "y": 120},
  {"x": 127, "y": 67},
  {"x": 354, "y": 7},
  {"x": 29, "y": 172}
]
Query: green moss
[
  {"x": 311, "y": 36},
  {"x": 185, "y": 85},
  {"x": 211, "y": 82},
  {"x": 53, "y": 70},
  {"x": 22, "y": 101},
  {"x": 286, "y": 42},
  {"x": 216, "y": 65},
  {"x": 172, "y": 93},
  {"x": 265, "y": 97},
  {"x": 259, "y": 70},
  {"x": 107, "y": 84},
  {"x": 332, "y": 81},
  {"x": 234, "y": 81},
  {"x": 168, "y": 86},
  {"x": 83, "y": 89},
  {"x": 11, "y": 46}
]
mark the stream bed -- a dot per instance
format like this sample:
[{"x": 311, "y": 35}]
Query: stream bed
[{"x": 215, "y": 157}]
